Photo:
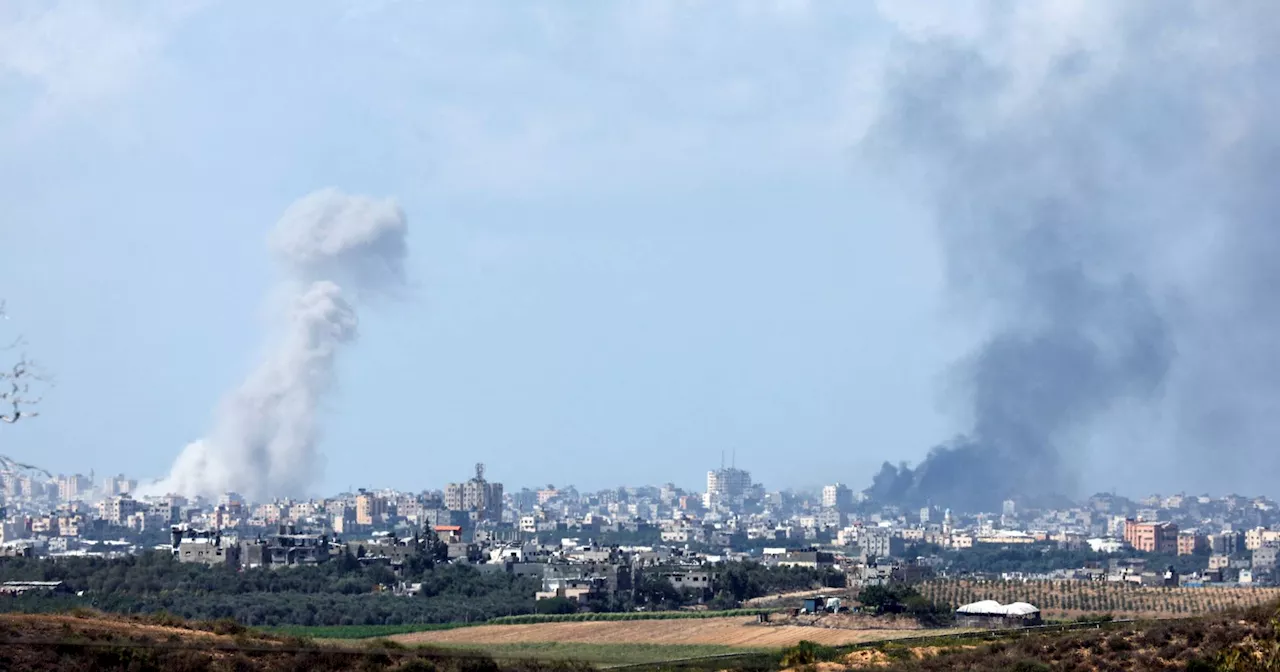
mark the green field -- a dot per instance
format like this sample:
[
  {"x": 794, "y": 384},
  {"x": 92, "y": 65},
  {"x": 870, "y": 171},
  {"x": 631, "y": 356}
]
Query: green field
[
  {"x": 360, "y": 631},
  {"x": 598, "y": 654}
]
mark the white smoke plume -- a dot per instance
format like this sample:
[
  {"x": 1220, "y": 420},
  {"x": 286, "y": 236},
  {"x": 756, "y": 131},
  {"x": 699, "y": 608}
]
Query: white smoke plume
[{"x": 334, "y": 250}]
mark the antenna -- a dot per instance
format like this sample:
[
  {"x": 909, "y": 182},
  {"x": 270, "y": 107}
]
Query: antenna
[
  {"x": 733, "y": 463},
  {"x": 721, "y": 459}
]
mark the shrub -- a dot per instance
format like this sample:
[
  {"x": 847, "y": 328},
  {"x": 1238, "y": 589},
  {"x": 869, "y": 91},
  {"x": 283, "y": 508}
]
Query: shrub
[{"x": 806, "y": 653}]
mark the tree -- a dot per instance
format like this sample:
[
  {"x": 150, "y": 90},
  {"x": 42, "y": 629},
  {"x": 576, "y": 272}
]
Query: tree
[
  {"x": 16, "y": 380},
  {"x": 555, "y": 605}
]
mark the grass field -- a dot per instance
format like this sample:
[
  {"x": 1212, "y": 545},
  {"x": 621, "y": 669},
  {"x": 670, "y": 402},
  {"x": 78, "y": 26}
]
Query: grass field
[
  {"x": 1068, "y": 599},
  {"x": 359, "y": 631}
]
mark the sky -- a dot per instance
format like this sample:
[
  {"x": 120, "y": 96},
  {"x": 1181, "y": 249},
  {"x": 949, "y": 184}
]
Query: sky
[{"x": 640, "y": 237}]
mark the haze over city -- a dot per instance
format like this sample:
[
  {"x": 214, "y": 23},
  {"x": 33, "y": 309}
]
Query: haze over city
[{"x": 623, "y": 244}]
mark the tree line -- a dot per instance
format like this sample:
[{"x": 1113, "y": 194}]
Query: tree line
[{"x": 345, "y": 592}]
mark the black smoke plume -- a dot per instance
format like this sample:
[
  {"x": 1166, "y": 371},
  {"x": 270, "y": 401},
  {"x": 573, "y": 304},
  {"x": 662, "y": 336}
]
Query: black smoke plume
[{"x": 1088, "y": 176}]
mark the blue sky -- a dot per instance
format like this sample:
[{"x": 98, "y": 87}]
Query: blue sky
[{"x": 639, "y": 236}]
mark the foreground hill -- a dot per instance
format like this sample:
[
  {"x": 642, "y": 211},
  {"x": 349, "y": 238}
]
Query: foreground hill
[
  {"x": 1237, "y": 641},
  {"x": 94, "y": 641}
]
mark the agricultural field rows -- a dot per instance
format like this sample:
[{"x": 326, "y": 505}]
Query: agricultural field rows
[{"x": 1058, "y": 599}]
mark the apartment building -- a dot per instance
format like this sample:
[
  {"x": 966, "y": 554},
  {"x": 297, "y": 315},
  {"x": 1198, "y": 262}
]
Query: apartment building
[
  {"x": 1256, "y": 537},
  {"x": 726, "y": 487},
  {"x": 117, "y": 510},
  {"x": 1190, "y": 543},
  {"x": 1152, "y": 537},
  {"x": 371, "y": 509},
  {"x": 837, "y": 496},
  {"x": 71, "y": 488},
  {"x": 477, "y": 496}
]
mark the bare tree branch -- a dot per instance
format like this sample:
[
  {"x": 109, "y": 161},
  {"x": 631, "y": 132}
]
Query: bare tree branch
[{"x": 16, "y": 396}]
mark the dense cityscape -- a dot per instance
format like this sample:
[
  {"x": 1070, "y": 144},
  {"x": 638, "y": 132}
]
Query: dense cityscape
[{"x": 561, "y": 533}]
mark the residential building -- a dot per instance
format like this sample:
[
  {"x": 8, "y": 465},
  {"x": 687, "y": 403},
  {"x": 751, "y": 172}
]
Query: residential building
[
  {"x": 476, "y": 496},
  {"x": 1152, "y": 537},
  {"x": 117, "y": 510},
  {"x": 1265, "y": 556},
  {"x": 837, "y": 496},
  {"x": 1191, "y": 543},
  {"x": 207, "y": 547},
  {"x": 371, "y": 509},
  {"x": 71, "y": 488},
  {"x": 726, "y": 487},
  {"x": 119, "y": 485},
  {"x": 880, "y": 542},
  {"x": 286, "y": 547}
]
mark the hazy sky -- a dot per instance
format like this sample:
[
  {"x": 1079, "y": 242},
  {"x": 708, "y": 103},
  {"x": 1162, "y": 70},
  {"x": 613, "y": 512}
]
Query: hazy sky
[{"x": 638, "y": 235}]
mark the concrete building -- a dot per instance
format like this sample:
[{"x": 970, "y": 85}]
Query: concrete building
[
  {"x": 370, "y": 509},
  {"x": 1151, "y": 537},
  {"x": 880, "y": 542},
  {"x": 1256, "y": 537},
  {"x": 71, "y": 488},
  {"x": 1190, "y": 543},
  {"x": 476, "y": 496},
  {"x": 117, "y": 510},
  {"x": 726, "y": 487},
  {"x": 1226, "y": 543},
  {"x": 119, "y": 485},
  {"x": 286, "y": 547},
  {"x": 837, "y": 496},
  {"x": 207, "y": 547},
  {"x": 1266, "y": 555}
]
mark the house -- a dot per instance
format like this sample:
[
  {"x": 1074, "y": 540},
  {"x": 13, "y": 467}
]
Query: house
[
  {"x": 807, "y": 557},
  {"x": 207, "y": 547},
  {"x": 286, "y": 547}
]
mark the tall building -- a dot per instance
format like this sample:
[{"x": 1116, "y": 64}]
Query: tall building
[
  {"x": 74, "y": 487},
  {"x": 119, "y": 485},
  {"x": 370, "y": 508},
  {"x": 476, "y": 495},
  {"x": 116, "y": 510},
  {"x": 727, "y": 487},
  {"x": 1151, "y": 537},
  {"x": 837, "y": 496}
]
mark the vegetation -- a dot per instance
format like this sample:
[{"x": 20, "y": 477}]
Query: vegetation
[
  {"x": 1238, "y": 641},
  {"x": 1068, "y": 598},
  {"x": 630, "y": 616},
  {"x": 1044, "y": 557},
  {"x": 900, "y": 598},
  {"x": 344, "y": 593},
  {"x": 93, "y": 641},
  {"x": 336, "y": 593},
  {"x": 358, "y": 631}
]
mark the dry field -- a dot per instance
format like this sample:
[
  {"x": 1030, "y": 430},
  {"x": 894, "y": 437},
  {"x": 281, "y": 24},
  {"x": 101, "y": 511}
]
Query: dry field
[
  {"x": 733, "y": 632},
  {"x": 35, "y": 626},
  {"x": 1068, "y": 599}
]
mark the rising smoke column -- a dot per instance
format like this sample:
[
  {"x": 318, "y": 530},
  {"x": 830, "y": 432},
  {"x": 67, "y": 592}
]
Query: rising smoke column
[
  {"x": 334, "y": 251},
  {"x": 1102, "y": 176}
]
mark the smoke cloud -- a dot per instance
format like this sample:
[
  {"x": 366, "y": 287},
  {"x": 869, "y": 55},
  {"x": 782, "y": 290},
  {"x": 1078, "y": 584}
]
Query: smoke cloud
[
  {"x": 334, "y": 252},
  {"x": 1101, "y": 177}
]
